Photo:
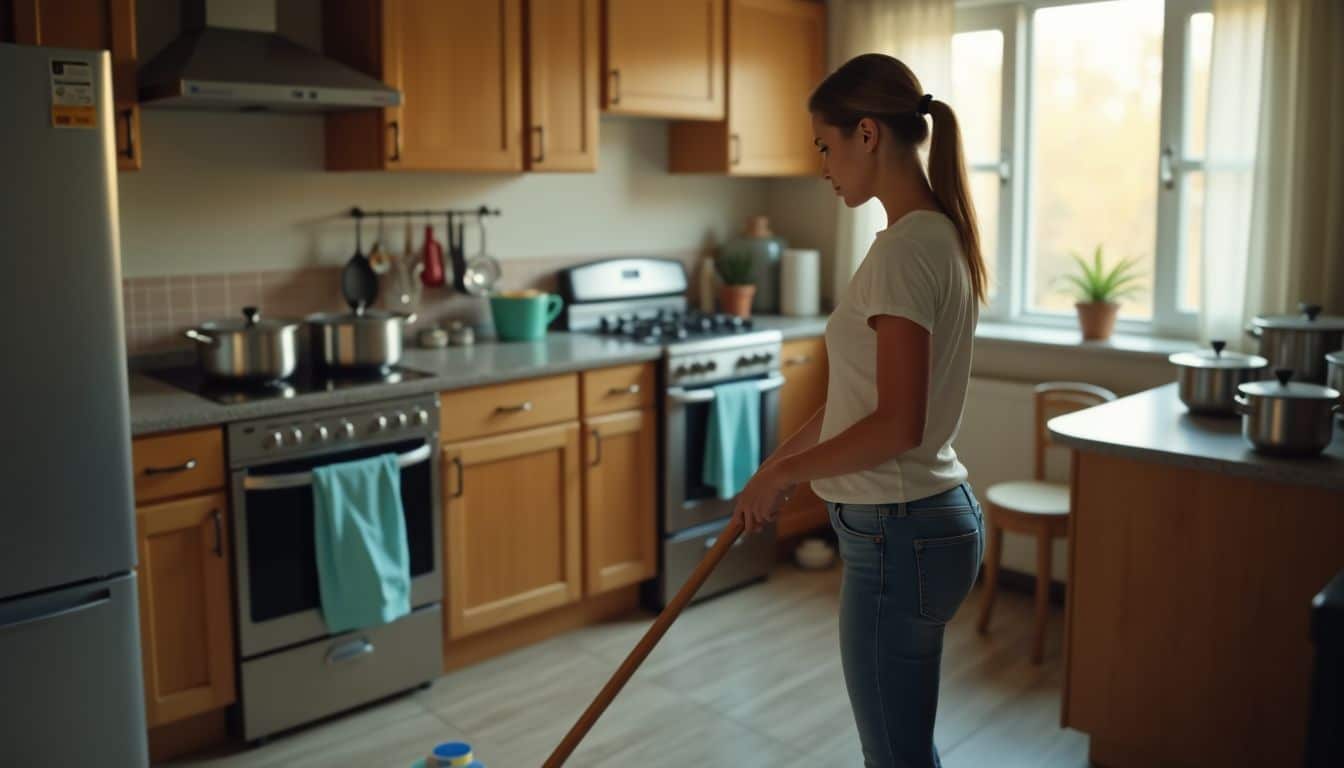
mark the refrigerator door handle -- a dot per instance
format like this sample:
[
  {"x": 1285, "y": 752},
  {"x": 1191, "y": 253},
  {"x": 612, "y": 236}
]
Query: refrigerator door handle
[{"x": 93, "y": 601}]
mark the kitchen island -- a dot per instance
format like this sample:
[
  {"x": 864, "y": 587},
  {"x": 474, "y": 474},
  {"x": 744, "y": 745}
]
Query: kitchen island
[{"x": 1192, "y": 565}]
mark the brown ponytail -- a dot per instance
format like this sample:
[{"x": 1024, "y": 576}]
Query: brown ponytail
[{"x": 882, "y": 87}]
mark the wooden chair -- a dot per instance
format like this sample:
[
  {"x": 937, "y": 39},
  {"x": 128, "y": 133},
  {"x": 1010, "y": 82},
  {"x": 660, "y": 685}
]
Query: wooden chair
[{"x": 1035, "y": 507}]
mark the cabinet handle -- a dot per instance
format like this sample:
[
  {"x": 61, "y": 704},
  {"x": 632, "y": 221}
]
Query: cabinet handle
[
  {"x": 799, "y": 360},
  {"x": 736, "y": 141},
  {"x": 395, "y": 125},
  {"x": 541, "y": 144},
  {"x": 185, "y": 466},
  {"x": 522, "y": 407},
  {"x": 461, "y": 478},
  {"x": 129, "y": 114},
  {"x": 633, "y": 389},
  {"x": 597, "y": 449},
  {"x": 616, "y": 86},
  {"x": 1166, "y": 168},
  {"x": 219, "y": 532}
]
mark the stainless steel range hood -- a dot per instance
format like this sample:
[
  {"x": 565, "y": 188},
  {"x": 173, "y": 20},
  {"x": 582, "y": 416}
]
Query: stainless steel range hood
[{"x": 230, "y": 58}]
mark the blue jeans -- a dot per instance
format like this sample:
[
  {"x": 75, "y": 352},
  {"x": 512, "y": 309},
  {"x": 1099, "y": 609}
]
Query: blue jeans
[{"x": 907, "y": 568}]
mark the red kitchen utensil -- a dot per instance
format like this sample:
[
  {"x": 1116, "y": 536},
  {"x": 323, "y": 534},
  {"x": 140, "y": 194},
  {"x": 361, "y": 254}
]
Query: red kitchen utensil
[{"x": 433, "y": 259}]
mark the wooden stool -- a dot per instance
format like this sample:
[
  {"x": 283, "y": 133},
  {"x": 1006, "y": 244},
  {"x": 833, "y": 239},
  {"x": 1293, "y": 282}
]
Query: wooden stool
[{"x": 1034, "y": 507}]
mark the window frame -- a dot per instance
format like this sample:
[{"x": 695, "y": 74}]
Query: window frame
[{"x": 1012, "y": 302}]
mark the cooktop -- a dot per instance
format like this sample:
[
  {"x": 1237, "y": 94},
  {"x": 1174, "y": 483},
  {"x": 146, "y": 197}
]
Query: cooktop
[{"x": 305, "y": 380}]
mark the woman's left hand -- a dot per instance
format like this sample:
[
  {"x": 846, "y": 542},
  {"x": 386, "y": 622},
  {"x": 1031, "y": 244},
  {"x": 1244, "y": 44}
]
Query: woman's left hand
[{"x": 760, "y": 500}]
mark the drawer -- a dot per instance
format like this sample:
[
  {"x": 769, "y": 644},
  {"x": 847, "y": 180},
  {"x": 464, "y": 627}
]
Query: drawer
[
  {"x": 310, "y": 681},
  {"x": 622, "y": 388},
  {"x": 178, "y": 464},
  {"x": 506, "y": 407}
]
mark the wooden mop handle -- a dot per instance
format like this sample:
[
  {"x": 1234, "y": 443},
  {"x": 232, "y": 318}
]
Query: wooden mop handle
[{"x": 642, "y": 649}]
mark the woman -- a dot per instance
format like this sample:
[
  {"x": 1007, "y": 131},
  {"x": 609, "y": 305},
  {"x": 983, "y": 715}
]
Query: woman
[{"x": 879, "y": 452}]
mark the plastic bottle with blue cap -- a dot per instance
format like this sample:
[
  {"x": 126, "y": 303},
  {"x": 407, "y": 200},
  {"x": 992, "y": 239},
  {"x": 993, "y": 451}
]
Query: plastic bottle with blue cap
[{"x": 450, "y": 754}]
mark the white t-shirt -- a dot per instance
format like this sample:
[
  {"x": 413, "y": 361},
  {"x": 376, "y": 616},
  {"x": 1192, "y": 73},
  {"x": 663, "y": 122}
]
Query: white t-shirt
[{"x": 914, "y": 269}]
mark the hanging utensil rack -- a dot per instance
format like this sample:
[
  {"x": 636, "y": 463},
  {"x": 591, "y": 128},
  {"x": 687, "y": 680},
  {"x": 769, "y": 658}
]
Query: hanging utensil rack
[{"x": 454, "y": 218}]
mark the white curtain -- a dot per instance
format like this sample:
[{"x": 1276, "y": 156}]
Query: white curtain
[
  {"x": 1274, "y": 231},
  {"x": 919, "y": 33}
]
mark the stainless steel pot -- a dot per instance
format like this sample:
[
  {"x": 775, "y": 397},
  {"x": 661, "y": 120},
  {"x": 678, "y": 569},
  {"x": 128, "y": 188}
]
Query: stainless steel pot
[
  {"x": 1287, "y": 418},
  {"x": 247, "y": 349},
  {"x": 1334, "y": 375},
  {"x": 368, "y": 338},
  {"x": 1299, "y": 341},
  {"x": 1208, "y": 381}
]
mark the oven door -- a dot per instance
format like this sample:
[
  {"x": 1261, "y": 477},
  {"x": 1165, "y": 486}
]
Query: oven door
[
  {"x": 278, "y": 600},
  {"x": 687, "y": 500}
]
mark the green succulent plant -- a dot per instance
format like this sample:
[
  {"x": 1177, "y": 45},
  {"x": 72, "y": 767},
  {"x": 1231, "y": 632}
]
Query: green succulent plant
[
  {"x": 1096, "y": 282},
  {"x": 735, "y": 268}
]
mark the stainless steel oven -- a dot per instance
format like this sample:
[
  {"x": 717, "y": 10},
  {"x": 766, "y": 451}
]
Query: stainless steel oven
[
  {"x": 292, "y": 669},
  {"x": 693, "y": 514}
]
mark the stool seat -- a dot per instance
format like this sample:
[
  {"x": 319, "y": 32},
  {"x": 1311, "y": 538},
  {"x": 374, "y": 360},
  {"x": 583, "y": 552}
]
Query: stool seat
[{"x": 1030, "y": 497}]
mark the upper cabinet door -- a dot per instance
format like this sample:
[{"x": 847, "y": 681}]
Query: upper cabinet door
[
  {"x": 458, "y": 64},
  {"x": 777, "y": 56},
  {"x": 664, "y": 59},
  {"x": 562, "y": 99},
  {"x": 93, "y": 25}
]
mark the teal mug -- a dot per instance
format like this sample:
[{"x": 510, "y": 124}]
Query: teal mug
[{"x": 524, "y": 316}]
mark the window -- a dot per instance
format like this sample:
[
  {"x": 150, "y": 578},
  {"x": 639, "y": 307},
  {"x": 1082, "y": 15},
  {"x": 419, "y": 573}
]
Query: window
[{"x": 1102, "y": 107}]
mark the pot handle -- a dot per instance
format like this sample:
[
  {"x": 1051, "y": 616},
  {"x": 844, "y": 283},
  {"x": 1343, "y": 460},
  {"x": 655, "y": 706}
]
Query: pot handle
[
  {"x": 1241, "y": 405},
  {"x": 199, "y": 337},
  {"x": 1253, "y": 331}
]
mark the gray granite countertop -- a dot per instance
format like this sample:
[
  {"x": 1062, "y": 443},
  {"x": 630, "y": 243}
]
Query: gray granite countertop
[
  {"x": 160, "y": 407},
  {"x": 791, "y": 327},
  {"x": 1154, "y": 426}
]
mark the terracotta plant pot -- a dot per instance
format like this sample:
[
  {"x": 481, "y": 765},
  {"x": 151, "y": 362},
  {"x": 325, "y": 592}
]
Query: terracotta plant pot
[
  {"x": 736, "y": 299},
  {"x": 1097, "y": 319}
]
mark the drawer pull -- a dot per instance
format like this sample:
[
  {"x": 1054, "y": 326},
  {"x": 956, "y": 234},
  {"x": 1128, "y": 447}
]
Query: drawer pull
[
  {"x": 597, "y": 448},
  {"x": 633, "y": 389},
  {"x": 799, "y": 360},
  {"x": 185, "y": 466},
  {"x": 461, "y": 478},
  {"x": 522, "y": 407},
  {"x": 351, "y": 651}
]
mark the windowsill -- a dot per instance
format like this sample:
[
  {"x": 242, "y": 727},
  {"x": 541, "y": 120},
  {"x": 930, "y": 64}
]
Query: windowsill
[{"x": 1119, "y": 345}]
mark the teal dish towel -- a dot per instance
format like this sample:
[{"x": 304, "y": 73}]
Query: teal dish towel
[
  {"x": 363, "y": 563},
  {"x": 733, "y": 437}
]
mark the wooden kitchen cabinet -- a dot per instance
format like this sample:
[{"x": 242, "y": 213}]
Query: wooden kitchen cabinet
[
  {"x": 664, "y": 59},
  {"x": 512, "y": 526},
  {"x": 94, "y": 25},
  {"x": 561, "y": 59},
  {"x": 776, "y": 56},
  {"x": 619, "y": 500},
  {"x": 178, "y": 463},
  {"x": 186, "y": 619},
  {"x": 458, "y": 65},
  {"x": 803, "y": 365}
]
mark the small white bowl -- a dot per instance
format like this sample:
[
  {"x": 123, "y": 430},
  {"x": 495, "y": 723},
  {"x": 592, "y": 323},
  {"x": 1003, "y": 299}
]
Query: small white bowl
[{"x": 814, "y": 557}]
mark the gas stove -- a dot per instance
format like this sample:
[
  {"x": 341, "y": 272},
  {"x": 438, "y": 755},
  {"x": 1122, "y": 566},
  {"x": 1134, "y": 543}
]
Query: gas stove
[{"x": 663, "y": 326}]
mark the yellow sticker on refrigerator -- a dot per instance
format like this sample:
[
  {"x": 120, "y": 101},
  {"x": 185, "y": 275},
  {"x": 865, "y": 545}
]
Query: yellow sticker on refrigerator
[{"x": 72, "y": 95}]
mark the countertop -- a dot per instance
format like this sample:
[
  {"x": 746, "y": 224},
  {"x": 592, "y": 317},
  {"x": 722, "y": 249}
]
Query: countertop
[
  {"x": 159, "y": 407},
  {"x": 1155, "y": 426}
]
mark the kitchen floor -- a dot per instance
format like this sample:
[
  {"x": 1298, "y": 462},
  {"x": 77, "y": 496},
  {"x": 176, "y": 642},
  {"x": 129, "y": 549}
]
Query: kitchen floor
[{"x": 751, "y": 678}]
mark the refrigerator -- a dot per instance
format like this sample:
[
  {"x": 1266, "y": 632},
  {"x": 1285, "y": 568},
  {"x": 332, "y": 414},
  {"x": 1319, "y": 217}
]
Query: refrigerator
[{"x": 70, "y": 670}]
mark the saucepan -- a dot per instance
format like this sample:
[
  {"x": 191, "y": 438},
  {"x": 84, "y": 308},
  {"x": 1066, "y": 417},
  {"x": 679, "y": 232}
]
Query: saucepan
[{"x": 253, "y": 348}]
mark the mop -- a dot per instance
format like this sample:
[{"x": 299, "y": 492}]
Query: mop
[{"x": 645, "y": 645}]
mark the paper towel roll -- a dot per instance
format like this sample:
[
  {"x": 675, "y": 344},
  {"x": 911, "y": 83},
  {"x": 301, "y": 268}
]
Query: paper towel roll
[{"x": 800, "y": 282}]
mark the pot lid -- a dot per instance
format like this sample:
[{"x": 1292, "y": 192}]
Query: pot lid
[
  {"x": 1283, "y": 388},
  {"x": 366, "y": 316},
  {"x": 1308, "y": 318},
  {"x": 1217, "y": 358},
  {"x": 251, "y": 320},
  {"x": 1335, "y": 357}
]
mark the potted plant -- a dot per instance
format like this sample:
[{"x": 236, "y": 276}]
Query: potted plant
[
  {"x": 1099, "y": 290},
  {"x": 737, "y": 291}
]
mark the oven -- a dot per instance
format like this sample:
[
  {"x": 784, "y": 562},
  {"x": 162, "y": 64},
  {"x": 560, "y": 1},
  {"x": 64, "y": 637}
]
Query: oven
[
  {"x": 692, "y": 513},
  {"x": 287, "y": 656}
]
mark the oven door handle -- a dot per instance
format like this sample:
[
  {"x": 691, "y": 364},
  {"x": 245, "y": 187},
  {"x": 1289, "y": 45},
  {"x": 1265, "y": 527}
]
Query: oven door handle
[
  {"x": 300, "y": 479},
  {"x": 706, "y": 394}
]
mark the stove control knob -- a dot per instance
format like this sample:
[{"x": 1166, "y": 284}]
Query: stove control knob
[
  {"x": 711, "y": 366},
  {"x": 275, "y": 440},
  {"x": 680, "y": 370},
  {"x": 743, "y": 361},
  {"x": 323, "y": 434},
  {"x": 296, "y": 435},
  {"x": 698, "y": 368},
  {"x": 422, "y": 417},
  {"x": 347, "y": 429},
  {"x": 401, "y": 420},
  {"x": 379, "y": 423}
]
